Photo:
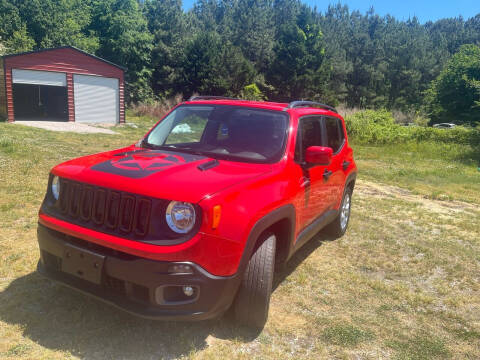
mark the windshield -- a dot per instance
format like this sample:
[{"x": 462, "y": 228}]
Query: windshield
[{"x": 220, "y": 131}]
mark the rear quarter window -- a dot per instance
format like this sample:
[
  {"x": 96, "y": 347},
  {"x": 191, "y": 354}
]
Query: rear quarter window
[{"x": 334, "y": 132}]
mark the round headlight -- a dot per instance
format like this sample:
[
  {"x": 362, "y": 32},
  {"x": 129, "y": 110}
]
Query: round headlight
[
  {"x": 180, "y": 216},
  {"x": 56, "y": 187}
]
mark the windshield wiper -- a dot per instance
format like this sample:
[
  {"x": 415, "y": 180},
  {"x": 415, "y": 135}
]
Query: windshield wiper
[
  {"x": 159, "y": 147},
  {"x": 173, "y": 147}
]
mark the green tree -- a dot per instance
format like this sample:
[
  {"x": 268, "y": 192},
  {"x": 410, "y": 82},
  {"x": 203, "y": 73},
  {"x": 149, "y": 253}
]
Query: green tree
[
  {"x": 455, "y": 95},
  {"x": 125, "y": 40},
  {"x": 298, "y": 69},
  {"x": 167, "y": 23},
  {"x": 472, "y": 28},
  {"x": 214, "y": 67},
  {"x": 211, "y": 15},
  {"x": 285, "y": 12},
  {"x": 284, "y": 47},
  {"x": 412, "y": 63},
  {"x": 20, "y": 41},
  {"x": 54, "y": 23},
  {"x": 13, "y": 30},
  {"x": 10, "y": 20},
  {"x": 355, "y": 50},
  {"x": 255, "y": 31}
]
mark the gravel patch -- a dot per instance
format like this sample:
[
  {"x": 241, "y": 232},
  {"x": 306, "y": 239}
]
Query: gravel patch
[{"x": 66, "y": 127}]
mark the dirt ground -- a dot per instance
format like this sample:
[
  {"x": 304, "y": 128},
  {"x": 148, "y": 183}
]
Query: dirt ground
[{"x": 66, "y": 127}]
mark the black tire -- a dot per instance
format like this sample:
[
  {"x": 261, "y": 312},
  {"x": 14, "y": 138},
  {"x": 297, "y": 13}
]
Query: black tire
[
  {"x": 253, "y": 297},
  {"x": 338, "y": 227}
]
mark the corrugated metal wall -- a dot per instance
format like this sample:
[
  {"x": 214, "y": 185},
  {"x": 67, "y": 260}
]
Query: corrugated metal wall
[
  {"x": 96, "y": 99},
  {"x": 21, "y": 76},
  {"x": 66, "y": 60},
  {"x": 3, "y": 94}
]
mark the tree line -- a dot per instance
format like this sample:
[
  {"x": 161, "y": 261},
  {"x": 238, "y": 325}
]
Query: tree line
[{"x": 259, "y": 49}]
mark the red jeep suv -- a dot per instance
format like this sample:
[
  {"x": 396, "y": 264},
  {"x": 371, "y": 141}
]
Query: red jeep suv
[{"x": 192, "y": 220}]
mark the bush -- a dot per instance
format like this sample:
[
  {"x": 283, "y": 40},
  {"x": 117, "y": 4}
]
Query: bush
[
  {"x": 252, "y": 92},
  {"x": 379, "y": 127}
]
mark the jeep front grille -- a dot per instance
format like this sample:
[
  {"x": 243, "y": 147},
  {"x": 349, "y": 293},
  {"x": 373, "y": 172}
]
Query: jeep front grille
[{"x": 104, "y": 209}]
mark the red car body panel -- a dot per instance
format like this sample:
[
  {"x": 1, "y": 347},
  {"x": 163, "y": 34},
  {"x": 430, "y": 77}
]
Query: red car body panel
[
  {"x": 246, "y": 193},
  {"x": 173, "y": 180}
]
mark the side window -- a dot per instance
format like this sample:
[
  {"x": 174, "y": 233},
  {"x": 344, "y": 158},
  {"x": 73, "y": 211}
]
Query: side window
[
  {"x": 335, "y": 136},
  {"x": 309, "y": 134}
]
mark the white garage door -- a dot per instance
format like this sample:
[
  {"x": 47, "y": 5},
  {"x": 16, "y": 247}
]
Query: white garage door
[
  {"x": 96, "y": 99},
  {"x": 39, "y": 77}
]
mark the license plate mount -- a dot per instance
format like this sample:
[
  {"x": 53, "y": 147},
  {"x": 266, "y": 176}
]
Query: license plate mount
[{"x": 83, "y": 263}]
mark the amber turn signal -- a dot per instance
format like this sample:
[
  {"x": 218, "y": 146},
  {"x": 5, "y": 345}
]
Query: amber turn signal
[{"x": 216, "y": 215}]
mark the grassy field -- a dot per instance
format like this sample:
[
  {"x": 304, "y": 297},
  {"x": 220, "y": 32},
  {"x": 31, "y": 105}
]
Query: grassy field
[{"x": 403, "y": 283}]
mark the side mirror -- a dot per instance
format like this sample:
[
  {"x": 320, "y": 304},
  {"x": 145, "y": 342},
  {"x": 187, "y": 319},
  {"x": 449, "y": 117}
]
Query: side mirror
[{"x": 318, "y": 155}]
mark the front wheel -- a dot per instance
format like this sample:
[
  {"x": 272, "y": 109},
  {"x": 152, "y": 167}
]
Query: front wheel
[
  {"x": 338, "y": 227},
  {"x": 253, "y": 297}
]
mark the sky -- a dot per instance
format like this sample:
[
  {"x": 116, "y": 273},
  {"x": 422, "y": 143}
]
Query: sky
[{"x": 424, "y": 10}]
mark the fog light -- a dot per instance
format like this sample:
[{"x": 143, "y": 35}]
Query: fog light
[
  {"x": 176, "y": 294},
  {"x": 188, "y": 290},
  {"x": 180, "y": 269}
]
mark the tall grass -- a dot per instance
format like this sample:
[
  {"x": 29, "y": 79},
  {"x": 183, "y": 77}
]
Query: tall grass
[
  {"x": 378, "y": 127},
  {"x": 346, "y": 111},
  {"x": 157, "y": 108}
]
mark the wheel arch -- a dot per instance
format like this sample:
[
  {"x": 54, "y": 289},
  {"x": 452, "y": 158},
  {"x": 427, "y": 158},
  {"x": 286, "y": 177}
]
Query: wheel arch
[
  {"x": 351, "y": 179},
  {"x": 281, "y": 222}
]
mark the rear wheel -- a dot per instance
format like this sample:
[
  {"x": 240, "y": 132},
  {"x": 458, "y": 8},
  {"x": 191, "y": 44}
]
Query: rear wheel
[
  {"x": 253, "y": 297},
  {"x": 338, "y": 227}
]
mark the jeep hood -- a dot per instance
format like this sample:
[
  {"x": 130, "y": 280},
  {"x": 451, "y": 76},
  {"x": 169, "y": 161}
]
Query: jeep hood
[{"x": 159, "y": 173}]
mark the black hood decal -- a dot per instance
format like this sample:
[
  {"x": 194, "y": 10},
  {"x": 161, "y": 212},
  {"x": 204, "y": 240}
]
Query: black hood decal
[{"x": 138, "y": 164}]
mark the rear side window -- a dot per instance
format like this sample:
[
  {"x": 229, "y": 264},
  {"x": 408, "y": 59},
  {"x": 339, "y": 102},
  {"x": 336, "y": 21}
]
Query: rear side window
[{"x": 334, "y": 132}]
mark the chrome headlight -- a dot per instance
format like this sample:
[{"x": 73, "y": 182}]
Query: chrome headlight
[
  {"x": 56, "y": 187},
  {"x": 180, "y": 216}
]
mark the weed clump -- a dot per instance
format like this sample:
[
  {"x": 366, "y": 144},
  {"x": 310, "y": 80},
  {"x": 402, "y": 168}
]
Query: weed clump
[{"x": 346, "y": 335}]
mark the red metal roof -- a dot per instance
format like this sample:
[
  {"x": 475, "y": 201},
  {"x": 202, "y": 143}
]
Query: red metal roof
[{"x": 64, "y": 47}]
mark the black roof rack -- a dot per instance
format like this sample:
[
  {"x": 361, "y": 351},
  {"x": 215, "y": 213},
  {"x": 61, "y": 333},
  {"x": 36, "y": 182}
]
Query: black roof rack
[
  {"x": 295, "y": 104},
  {"x": 211, "y": 97}
]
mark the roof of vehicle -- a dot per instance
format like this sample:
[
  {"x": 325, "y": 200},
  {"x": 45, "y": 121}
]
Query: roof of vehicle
[
  {"x": 249, "y": 103},
  {"x": 303, "y": 109}
]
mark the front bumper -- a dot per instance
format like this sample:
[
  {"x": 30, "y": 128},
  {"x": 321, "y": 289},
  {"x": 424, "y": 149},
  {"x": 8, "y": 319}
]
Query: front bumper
[{"x": 137, "y": 285}]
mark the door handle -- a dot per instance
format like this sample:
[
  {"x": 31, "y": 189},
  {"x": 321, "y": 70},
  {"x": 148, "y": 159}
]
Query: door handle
[
  {"x": 327, "y": 174},
  {"x": 304, "y": 182},
  {"x": 345, "y": 164}
]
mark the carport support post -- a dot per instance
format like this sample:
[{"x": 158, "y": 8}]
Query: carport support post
[{"x": 70, "y": 101}]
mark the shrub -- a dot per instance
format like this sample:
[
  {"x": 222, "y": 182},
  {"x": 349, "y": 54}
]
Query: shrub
[
  {"x": 379, "y": 127},
  {"x": 252, "y": 92}
]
